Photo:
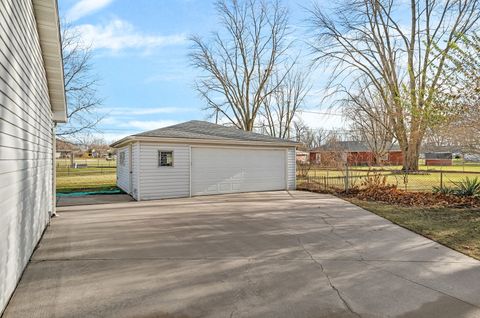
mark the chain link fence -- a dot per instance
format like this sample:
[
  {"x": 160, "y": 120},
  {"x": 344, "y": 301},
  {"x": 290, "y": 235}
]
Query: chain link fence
[
  {"x": 81, "y": 166},
  {"x": 345, "y": 177}
]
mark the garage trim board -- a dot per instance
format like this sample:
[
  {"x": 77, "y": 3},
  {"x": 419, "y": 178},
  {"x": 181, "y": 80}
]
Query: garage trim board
[{"x": 209, "y": 159}]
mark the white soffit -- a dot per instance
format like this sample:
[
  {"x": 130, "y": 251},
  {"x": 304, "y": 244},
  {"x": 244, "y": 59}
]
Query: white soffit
[{"x": 46, "y": 15}]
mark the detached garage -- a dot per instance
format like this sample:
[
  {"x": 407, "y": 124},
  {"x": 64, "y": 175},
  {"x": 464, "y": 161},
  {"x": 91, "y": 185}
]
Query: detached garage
[{"x": 201, "y": 158}]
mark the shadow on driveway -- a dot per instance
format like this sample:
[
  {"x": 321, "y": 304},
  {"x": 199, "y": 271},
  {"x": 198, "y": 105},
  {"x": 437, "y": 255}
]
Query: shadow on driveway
[{"x": 273, "y": 254}]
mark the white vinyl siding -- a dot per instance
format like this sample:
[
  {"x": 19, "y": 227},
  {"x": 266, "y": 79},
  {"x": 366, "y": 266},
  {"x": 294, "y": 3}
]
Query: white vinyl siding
[
  {"x": 203, "y": 169},
  {"x": 123, "y": 168},
  {"x": 291, "y": 171},
  {"x": 26, "y": 163},
  {"x": 135, "y": 170},
  {"x": 237, "y": 169},
  {"x": 164, "y": 182}
]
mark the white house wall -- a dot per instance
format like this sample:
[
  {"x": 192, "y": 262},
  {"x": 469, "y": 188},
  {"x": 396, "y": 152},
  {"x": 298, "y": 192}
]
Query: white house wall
[
  {"x": 26, "y": 177},
  {"x": 291, "y": 168},
  {"x": 164, "y": 182},
  {"x": 123, "y": 169}
]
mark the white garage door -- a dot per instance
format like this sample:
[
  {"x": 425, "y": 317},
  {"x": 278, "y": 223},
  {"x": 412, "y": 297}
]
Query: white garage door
[{"x": 227, "y": 170}]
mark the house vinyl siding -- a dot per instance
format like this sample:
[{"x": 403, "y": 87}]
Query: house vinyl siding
[
  {"x": 26, "y": 143},
  {"x": 123, "y": 169},
  {"x": 291, "y": 168},
  {"x": 164, "y": 182}
]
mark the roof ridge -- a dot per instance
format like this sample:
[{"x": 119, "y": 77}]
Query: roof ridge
[{"x": 199, "y": 129}]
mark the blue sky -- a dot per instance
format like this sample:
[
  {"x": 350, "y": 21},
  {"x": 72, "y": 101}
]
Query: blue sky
[{"x": 140, "y": 53}]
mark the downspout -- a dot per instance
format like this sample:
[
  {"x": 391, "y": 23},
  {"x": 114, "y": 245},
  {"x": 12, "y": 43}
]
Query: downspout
[
  {"x": 139, "y": 170},
  {"x": 190, "y": 171},
  {"x": 54, "y": 171}
]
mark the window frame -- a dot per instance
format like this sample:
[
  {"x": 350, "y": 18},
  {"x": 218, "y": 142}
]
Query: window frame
[
  {"x": 122, "y": 158},
  {"x": 159, "y": 158}
]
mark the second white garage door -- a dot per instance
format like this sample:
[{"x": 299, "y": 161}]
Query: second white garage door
[{"x": 228, "y": 170}]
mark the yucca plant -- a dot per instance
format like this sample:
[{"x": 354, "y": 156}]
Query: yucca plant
[
  {"x": 444, "y": 190},
  {"x": 468, "y": 187}
]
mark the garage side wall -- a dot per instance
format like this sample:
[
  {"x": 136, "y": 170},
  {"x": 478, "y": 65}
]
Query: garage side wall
[
  {"x": 123, "y": 169},
  {"x": 164, "y": 182},
  {"x": 291, "y": 168},
  {"x": 26, "y": 161},
  {"x": 135, "y": 170}
]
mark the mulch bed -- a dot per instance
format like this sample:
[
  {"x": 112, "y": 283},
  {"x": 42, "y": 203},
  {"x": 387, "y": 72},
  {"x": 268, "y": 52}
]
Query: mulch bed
[{"x": 392, "y": 195}]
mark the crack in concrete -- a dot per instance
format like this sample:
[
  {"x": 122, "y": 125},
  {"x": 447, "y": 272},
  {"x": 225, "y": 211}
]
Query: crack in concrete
[
  {"x": 332, "y": 230},
  {"x": 330, "y": 283},
  {"x": 364, "y": 261}
]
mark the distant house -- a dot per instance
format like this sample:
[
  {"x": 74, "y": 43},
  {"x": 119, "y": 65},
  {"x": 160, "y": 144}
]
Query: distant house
[
  {"x": 98, "y": 151},
  {"x": 32, "y": 101},
  {"x": 65, "y": 149},
  {"x": 355, "y": 153},
  {"x": 438, "y": 158},
  {"x": 302, "y": 156}
]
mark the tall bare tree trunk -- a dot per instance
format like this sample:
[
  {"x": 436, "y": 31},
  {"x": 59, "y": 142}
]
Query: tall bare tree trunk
[{"x": 368, "y": 39}]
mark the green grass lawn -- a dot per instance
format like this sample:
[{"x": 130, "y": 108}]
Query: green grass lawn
[
  {"x": 458, "y": 229},
  {"x": 99, "y": 174},
  {"x": 82, "y": 182}
]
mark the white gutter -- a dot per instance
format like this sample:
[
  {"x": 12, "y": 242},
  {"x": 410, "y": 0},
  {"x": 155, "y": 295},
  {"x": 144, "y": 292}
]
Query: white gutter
[{"x": 252, "y": 143}]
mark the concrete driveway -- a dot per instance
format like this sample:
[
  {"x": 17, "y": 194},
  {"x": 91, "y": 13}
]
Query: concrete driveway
[{"x": 273, "y": 254}]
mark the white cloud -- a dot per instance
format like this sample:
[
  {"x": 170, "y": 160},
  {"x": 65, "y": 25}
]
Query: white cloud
[
  {"x": 119, "y": 34},
  {"x": 323, "y": 119},
  {"x": 150, "y": 124},
  {"x": 85, "y": 7},
  {"x": 131, "y": 111}
]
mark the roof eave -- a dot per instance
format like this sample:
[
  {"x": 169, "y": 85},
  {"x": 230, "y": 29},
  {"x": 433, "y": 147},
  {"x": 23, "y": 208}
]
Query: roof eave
[
  {"x": 48, "y": 25},
  {"x": 129, "y": 139}
]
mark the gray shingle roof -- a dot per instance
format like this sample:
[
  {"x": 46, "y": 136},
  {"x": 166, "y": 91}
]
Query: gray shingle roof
[{"x": 196, "y": 129}]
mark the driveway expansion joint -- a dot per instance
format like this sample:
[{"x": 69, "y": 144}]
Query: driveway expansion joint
[{"x": 419, "y": 284}]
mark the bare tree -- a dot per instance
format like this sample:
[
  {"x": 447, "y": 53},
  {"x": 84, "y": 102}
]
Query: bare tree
[
  {"x": 463, "y": 75},
  {"x": 462, "y": 129},
  {"x": 80, "y": 84},
  {"x": 280, "y": 107},
  {"x": 369, "y": 121},
  {"x": 239, "y": 61},
  {"x": 311, "y": 138},
  {"x": 401, "y": 48}
]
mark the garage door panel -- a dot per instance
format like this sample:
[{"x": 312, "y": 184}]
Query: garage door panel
[{"x": 227, "y": 170}]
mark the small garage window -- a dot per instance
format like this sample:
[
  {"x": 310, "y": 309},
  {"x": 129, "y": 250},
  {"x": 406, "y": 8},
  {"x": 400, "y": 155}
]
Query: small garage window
[
  {"x": 165, "y": 158},
  {"x": 122, "y": 159}
]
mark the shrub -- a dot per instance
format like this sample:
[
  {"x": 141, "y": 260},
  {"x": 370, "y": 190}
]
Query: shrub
[
  {"x": 444, "y": 190},
  {"x": 303, "y": 168},
  {"x": 468, "y": 187},
  {"x": 375, "y": 180}
]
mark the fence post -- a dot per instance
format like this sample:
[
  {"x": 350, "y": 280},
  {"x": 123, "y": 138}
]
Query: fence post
[
  {"x": 441, "y": 179},
  {"x": 346, "y": 177}
]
